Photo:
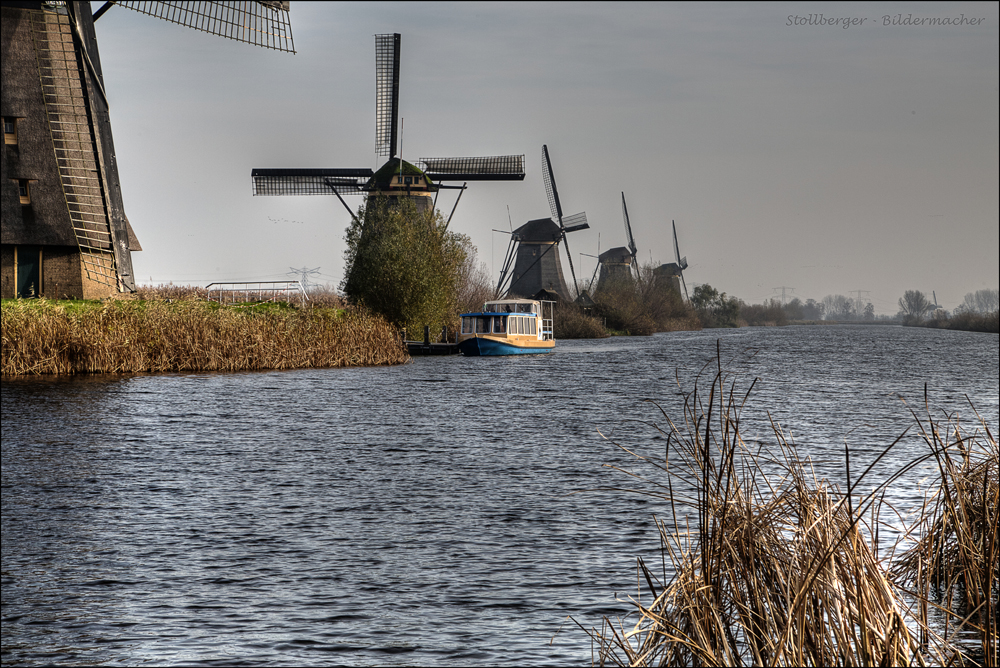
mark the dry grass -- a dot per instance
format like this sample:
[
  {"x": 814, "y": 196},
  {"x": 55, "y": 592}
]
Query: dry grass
[
  {"x": 954, "y": 564},
  {"x": 165, "y": 291},
  {"x": 777, "y": 567},
  {"x": 41, "y": 337}
]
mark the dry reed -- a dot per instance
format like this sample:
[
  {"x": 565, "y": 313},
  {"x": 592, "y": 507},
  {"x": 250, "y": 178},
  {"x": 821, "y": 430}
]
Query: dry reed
[
  {"x": 42, "y": 337},
  {"x": 775, "y": 566},
  {"x": 954, "y": 564}
]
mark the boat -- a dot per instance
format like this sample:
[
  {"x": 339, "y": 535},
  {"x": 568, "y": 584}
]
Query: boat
[{"x": 508, "y": 327}]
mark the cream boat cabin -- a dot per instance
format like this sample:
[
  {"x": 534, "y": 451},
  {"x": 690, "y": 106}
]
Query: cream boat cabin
[{"x": 508, "y": 327}]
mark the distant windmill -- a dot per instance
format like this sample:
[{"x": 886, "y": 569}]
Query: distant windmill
[
  {"x": 64, "y": 228},
  {"x": 617, "y": 263},
  {"x": 396, "y": 178},
  {"x": 674, "y": 271},
  {"x": 534, "y": 247}
]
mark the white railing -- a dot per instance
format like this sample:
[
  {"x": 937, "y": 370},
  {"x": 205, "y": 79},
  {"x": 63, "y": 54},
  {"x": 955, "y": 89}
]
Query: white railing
[{"x": 261, "y": 291}]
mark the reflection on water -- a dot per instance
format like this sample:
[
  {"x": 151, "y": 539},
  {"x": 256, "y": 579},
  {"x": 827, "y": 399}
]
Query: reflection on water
[{"x": 410, "y": 515}]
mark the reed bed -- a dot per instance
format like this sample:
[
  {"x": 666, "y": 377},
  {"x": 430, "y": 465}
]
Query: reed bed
[
  {"x": 42, "y": 337},
  {"x": 953, "y": 567},
  {"x": 769, "y": 565}
]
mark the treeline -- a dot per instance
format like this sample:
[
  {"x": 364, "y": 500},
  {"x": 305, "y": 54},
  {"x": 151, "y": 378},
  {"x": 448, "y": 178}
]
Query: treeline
[{"x": 978, "y": 312}]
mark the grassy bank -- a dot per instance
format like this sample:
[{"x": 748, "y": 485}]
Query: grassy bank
[
  {"x": 67, "y": 337},
  {"x": 772, "y": 566}
]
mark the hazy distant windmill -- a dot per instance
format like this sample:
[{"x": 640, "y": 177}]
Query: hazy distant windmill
[
  {"x": 616, "y": 264},
  {"x": 396, "y": 178},
  {"x": 534, "y": 247},
  {"x": 64, "y": 229},
  {"x": 674, "y": 271}
]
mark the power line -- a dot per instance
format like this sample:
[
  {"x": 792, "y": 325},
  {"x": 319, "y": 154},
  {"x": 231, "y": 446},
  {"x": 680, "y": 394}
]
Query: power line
[
  {"x": 304, "y": 273},
  {"x": 783, "y": 288}
]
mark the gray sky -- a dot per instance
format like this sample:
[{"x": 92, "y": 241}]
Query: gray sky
[{"x": 815, "y": 157}]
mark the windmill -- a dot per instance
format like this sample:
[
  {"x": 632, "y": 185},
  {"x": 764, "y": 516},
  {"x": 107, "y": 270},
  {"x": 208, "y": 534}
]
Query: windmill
[
  {"x": 534, "y": 247},
  {"x": 64, "y": 228},
  {"x": 616, "y": 264},
  {"x": 674, "y": 271},
  {"x": 420, "y": 181}
]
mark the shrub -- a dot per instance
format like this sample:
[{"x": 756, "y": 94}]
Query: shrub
[
  {"x": 403, "y": 264},
  {"x": 715, "y": 309},
  {"x": 768, "y": 314}
]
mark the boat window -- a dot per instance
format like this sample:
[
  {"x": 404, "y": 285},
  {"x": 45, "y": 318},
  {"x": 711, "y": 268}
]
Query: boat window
[
  {"x": 467, "y": 325},
  {"x": 482, "y": 325},
  {"x": 524, "y": 308},
  {"x": 522, "y": 325},
  {"x": 499, "y": 325},
  {"x": 533, "y": 331}
]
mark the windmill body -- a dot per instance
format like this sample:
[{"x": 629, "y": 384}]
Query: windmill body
[
  {"x": 673, "y": 272},
  {"x": 534, "y": 248},
  {"x": 396, "y": 178},
  {"x": 64, "y": 232},
  {"x": 537, "y": 266},
  {"x": 615, "y": 267}
]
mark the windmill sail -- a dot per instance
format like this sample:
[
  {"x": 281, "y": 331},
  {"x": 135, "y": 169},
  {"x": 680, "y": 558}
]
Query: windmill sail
[
  {"x": 262, "y": 23},
  {"x": 310, "y": 181},
  {"x": 495, "y": 168},
  {"x": 628, "y": 229},
  {"x": 682, "y": 262},
  {"x": 577, "y": 221},
  {"x": 386, "y": 93},
  {"x": 550, "y": 186}
]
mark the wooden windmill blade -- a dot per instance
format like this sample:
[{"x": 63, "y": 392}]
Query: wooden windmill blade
[
  {"x": 310, "y": 181},
  {"x": 386, "y": 93},
  {"x": 487, "y": 168},
  {"x": 628, "y": 229},
  {"x": 577, "y": 221},
  {"x": 550, "y": 186},
  {"x": 682, "y": 262},
  {"x": 262, "y": 23}
]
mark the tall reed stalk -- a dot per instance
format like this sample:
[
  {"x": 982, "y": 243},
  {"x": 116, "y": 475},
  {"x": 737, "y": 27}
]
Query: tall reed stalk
[
  {"x": 770, "y": 565},
  {"x": 954, "y": 565},
  {"x": 133, "y": 336}
]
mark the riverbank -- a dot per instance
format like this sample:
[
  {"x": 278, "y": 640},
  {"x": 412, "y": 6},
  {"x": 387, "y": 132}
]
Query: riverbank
[{"x": 134, "y": 336}]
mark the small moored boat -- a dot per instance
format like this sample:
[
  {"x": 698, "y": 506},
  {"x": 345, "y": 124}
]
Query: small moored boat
[{"x": 508, "y": 327}]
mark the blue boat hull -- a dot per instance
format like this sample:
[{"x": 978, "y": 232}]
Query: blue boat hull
[{"x": 477, "y": 347}]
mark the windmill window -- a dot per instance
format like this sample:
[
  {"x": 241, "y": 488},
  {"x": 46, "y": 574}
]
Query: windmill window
[
  {"x": 408, "y": 180},
  {"x": 24, "y": 191},
  {"x": 9, "y": 130}
]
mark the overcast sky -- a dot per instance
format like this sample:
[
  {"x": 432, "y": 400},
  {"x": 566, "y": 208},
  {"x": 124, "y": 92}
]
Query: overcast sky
[{"x": 819, "y": 158}]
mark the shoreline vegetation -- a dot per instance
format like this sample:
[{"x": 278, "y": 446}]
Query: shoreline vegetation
[
  {"x": 142, "y": 335},
  {"x": 770, "y": 565}
]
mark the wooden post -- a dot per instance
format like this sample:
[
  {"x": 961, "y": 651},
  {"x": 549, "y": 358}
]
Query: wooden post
[{"x": 427, "y": 335}]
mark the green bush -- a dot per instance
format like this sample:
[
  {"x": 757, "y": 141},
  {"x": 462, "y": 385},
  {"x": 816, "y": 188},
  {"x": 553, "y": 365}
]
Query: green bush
[
  {"x": 404, "y": 265},
  {"x": 715, "y": 309}
]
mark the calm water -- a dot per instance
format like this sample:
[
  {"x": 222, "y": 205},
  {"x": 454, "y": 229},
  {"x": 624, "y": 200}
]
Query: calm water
[{"x": 421, "y": 514}]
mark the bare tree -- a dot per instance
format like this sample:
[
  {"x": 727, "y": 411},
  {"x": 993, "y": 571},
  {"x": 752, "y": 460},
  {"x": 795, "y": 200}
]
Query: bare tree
[
  {"x": 913, "y": 306},
  {"x": 980, "y": 301},
  {"x": 838, "y": 307}
]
